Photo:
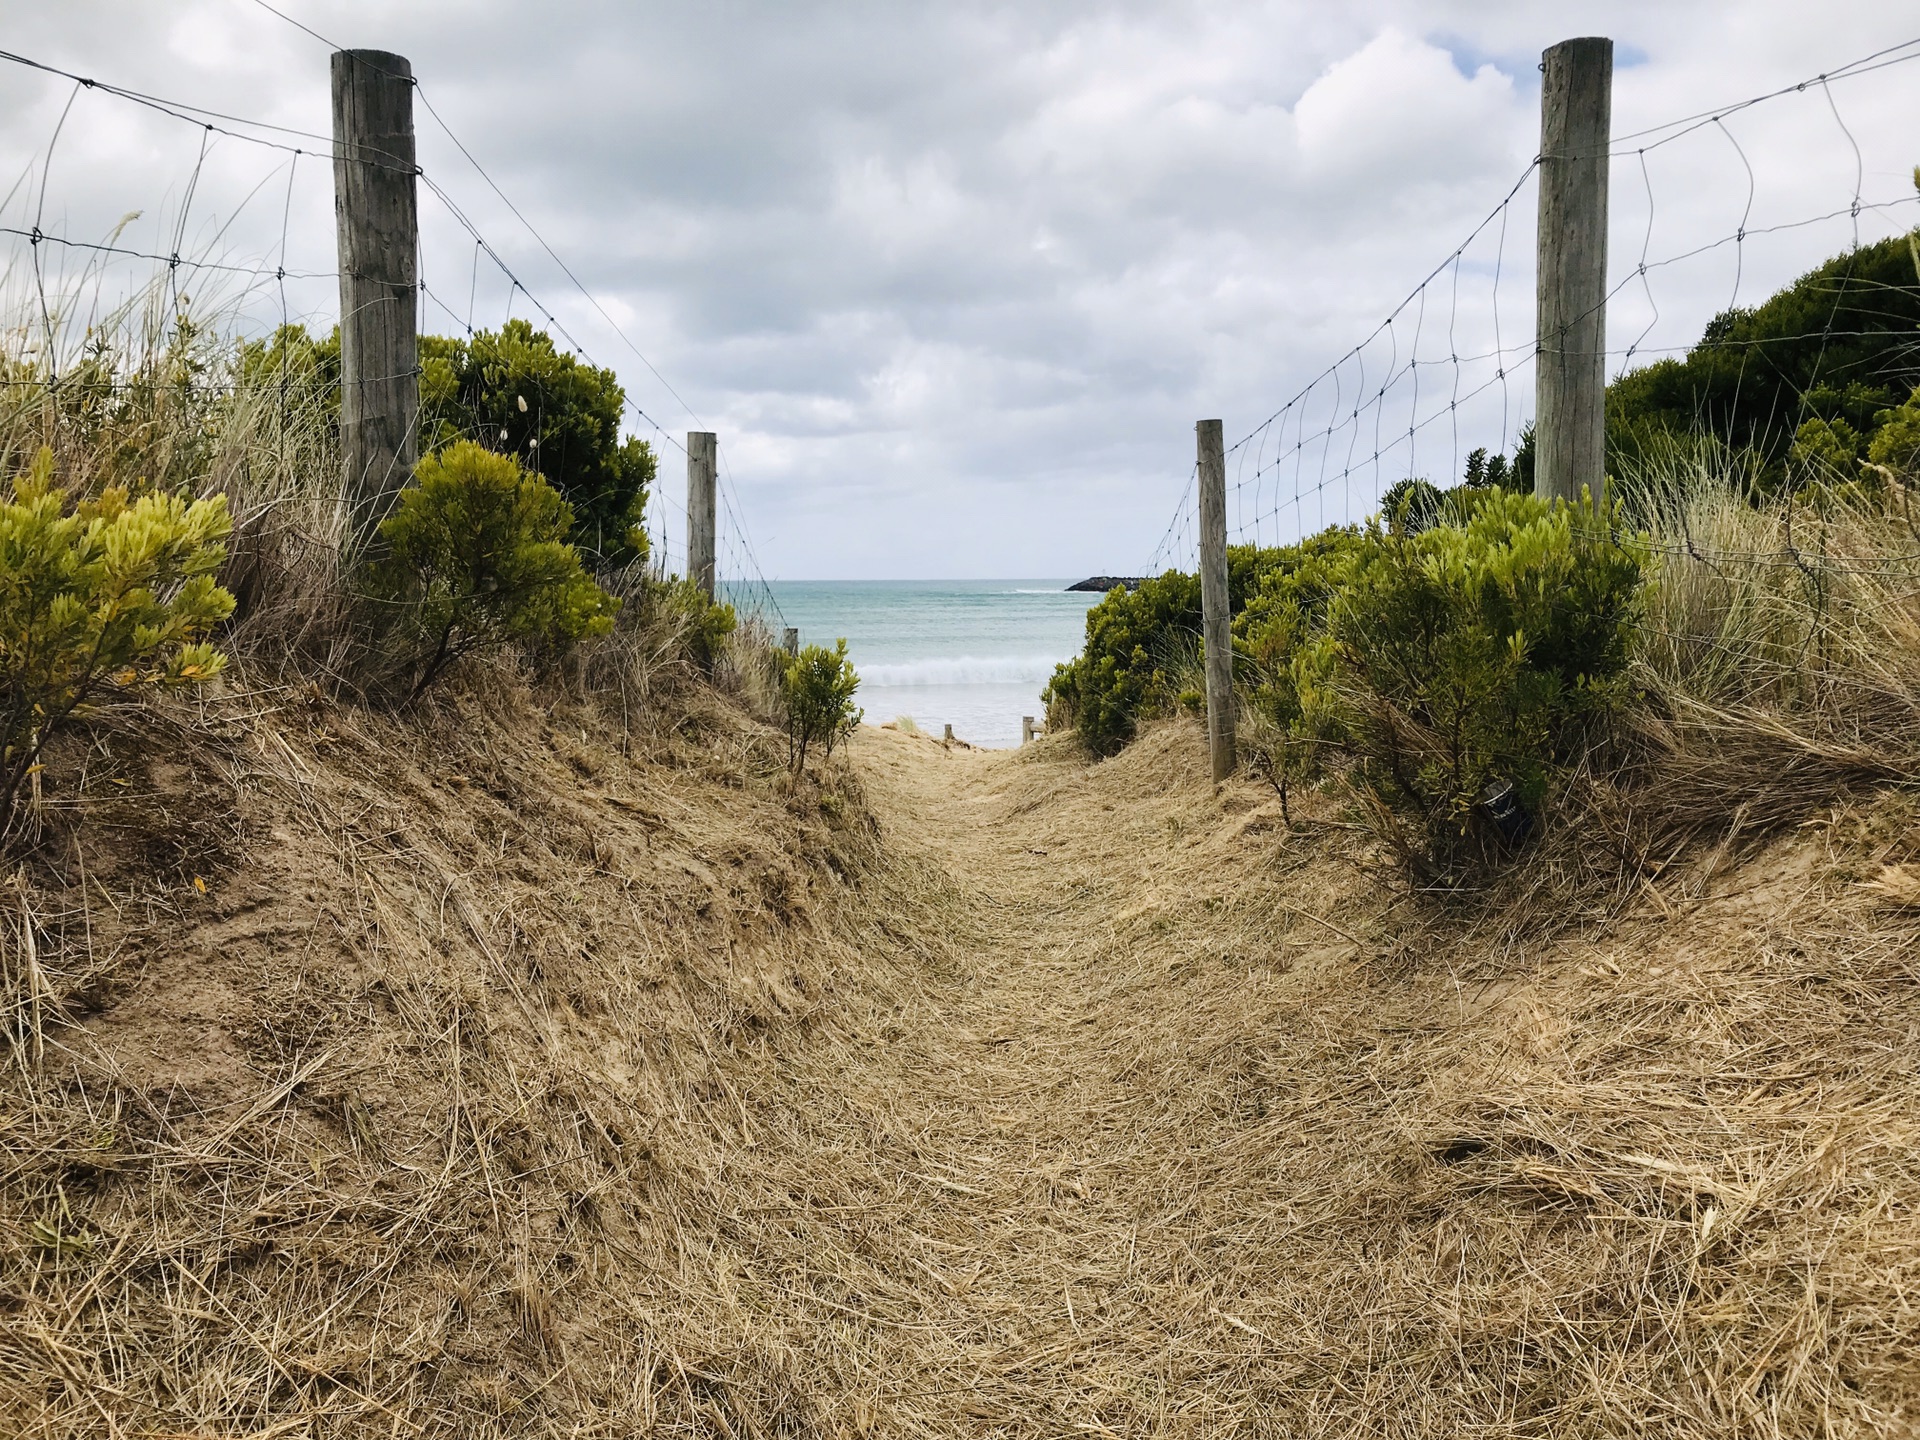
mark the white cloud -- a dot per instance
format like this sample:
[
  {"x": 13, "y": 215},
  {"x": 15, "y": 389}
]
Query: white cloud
[
  {"x": 953, "y": 282},
  {"x": 1398, "y": 108}
]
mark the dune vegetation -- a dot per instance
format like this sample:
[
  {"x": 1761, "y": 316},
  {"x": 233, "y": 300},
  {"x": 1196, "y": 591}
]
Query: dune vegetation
[{"x": 476, "y": 986}]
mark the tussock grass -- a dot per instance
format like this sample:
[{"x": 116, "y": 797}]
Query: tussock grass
[
  {"x": 550, "y": 1062},
  {"x": 1778, "y": 655}
]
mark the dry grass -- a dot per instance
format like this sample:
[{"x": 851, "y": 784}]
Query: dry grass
[
  {"x": 503, "y": 1085},
  {"x": 342, "y": 1053},
  {"x": 351, "y": 1102},
  {"x": 1778, "y": 658},
  {"x": 1202, "y": 1135},
  {"x": 551, "y": 1062}
]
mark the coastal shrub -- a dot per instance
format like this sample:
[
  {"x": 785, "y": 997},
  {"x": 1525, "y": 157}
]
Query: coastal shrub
[
  {"x": 1452, "y": 670},
  {"x": 703, "y": 625},
  {"x": 1412, "y": 505},
  {"x": 1838, "y": 348},
  {"x": 1141, "y": 653},
  {"x": 1895, "y": 446},
  {"x": 513, "y": 391},
  {"x": 111, "y": 591},
  {"x": 1284, "y": 614},
  {"x": 477, "y": 556},
  {"x": 1130, "y": 663},
  {"x": 818, "y": 690}
]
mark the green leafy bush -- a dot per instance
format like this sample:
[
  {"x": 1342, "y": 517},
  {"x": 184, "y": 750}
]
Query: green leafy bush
[
  {"x": 292, "y": 365},
  {"x": 1131, "y": 663},
  {"x": 703, "y": 624},
  {"x": 1447, "y": 666},
  {"x": 818, "y": 690},
  {"x": 513, "y": 391},
  {"x": 1288, "y": 610},
  {"x": 1141, "y": 652},
  {"x": 478, "y": 556},
  {"x": 1895, "y": 446},
  {"x": 1413, "y": 504},
  {"x": 1836, "y": 345},
  {"x": 111, "y": 591}
]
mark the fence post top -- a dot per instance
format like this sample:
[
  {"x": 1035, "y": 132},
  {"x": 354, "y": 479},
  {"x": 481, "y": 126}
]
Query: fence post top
[
  {"x": 384, "y": 61},
  {"x": 1578, "y": 43}
]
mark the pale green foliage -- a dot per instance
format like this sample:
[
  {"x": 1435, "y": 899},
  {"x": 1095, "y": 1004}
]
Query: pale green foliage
[
  {"x": 704, "y": 624},
  {"x": 818, "y": 690},
  {"x": 478, "y": 555},
  {"x": 1896, "y": 441},
  {"x": 1441, "y": 664},
  {"x": 110, "y": 591},
  {"x": 1825, "y": 452}
]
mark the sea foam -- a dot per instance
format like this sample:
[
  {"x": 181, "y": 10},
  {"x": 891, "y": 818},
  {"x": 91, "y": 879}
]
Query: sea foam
[{"x": 962, "y": 670}]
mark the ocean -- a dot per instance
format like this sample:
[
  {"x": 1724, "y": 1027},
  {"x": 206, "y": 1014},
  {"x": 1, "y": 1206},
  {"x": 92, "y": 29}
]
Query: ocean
[{"x": 973, "y": 654}]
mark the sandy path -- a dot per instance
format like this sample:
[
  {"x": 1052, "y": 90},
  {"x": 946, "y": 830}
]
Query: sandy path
[
  {"x": 984, "y": 1205},
  {"x": 1113, "y": 1130}
]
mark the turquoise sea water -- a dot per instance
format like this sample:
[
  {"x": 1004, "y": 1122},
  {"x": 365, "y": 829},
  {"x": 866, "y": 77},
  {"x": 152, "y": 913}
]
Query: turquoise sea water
[{"x": 970, "y": 653}]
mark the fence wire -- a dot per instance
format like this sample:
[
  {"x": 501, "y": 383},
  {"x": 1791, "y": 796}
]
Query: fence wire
[
  {"x": 1448, "y": 371},
  {"x": 263, "y": 295}
]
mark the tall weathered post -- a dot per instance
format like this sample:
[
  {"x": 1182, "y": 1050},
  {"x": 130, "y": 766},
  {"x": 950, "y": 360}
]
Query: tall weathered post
[
  {"x": 1215, "y": 616},
  {"x": 790, "y": 640},
  {"x": 1570, "y": 365},
  {"x": 702, "y": 450},
  {"x": 377, "y": 213}
]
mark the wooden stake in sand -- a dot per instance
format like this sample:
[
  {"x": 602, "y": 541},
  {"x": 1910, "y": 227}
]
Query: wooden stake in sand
[
  {"x": 1215, "y": 619},
  {"x": 703, "y": 447}
]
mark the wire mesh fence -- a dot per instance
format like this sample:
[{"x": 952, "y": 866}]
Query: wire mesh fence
[
  {"x": 226, "y": 227},
  {"x": 1441, "y": 388}
]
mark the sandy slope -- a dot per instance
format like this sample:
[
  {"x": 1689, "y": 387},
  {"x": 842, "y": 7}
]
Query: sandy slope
[
  {"x": 520, "y": 1078},
  {"x": 1190, "y": 1131}
]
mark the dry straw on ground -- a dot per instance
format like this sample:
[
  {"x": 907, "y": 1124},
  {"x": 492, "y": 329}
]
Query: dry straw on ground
[
  {"x": 551, "y": 1063},
  {"x": 502, "y": 1085}
]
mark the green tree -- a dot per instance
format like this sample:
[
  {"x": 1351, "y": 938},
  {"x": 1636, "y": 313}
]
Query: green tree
[
  {"x": 108, "y": 592},
  {"x": 478, "y": 556},
  {"x": 513, "y": 391},
  {"x": 1836, "y": 345}
]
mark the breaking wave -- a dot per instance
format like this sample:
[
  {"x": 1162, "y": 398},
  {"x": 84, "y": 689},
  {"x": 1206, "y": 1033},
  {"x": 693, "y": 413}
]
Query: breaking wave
[{"x": 963, "y": 670}]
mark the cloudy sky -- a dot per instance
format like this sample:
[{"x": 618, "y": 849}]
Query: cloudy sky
[{"x": 954, "y": 281}]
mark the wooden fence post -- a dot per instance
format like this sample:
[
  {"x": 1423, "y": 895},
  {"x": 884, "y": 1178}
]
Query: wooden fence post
[
  {"x": 1215, "y": 615},
  {"x": 702, "y": 449},
  {"x": 1026, "y": 729},
  {"x": 378, "y": 227},
  {"x": 1570, "y": 362},
  {"x": 790, "y": 641}
]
